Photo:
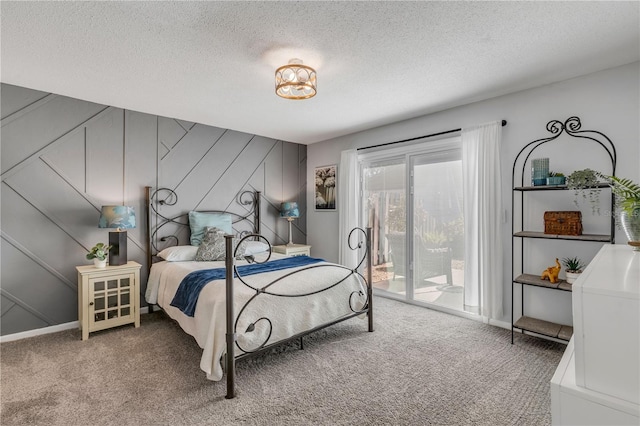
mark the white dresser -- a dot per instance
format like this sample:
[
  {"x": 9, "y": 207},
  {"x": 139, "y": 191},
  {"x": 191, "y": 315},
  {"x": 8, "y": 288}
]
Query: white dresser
[{"x": 598, "y": 379}]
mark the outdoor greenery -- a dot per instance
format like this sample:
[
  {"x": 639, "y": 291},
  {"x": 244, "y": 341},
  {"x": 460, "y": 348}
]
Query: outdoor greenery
[
  {"x": 436, "y": 239},
  {"x": 436, "y": 234},
  {"x": 396, "y": 217}
]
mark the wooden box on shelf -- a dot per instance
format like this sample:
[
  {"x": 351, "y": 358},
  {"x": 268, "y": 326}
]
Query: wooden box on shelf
[{"x": 563, "y": 223}]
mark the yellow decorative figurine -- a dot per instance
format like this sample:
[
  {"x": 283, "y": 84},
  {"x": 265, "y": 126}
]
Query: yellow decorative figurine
[{"x": 551, "y": 273}]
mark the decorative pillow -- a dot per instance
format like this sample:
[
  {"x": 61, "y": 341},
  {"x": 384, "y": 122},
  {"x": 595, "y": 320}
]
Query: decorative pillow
[
  {"x": 213, "y": 246},
  {"x": 179, "y": 253},
  {"x": 199, "y": 221}
]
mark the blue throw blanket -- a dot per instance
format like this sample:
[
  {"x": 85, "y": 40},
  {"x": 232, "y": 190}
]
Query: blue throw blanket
[{"x": 189, "y": 290}]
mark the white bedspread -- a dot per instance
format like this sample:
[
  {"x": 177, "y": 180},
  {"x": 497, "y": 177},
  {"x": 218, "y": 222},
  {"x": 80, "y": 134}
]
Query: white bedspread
[{"x": 289, "y": 315}]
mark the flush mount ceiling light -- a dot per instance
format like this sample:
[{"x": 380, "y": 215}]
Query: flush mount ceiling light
[{"x": 295, "y": 81}]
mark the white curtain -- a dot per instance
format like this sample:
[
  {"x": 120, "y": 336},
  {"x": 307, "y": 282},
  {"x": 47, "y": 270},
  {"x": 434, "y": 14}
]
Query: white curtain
[
  {"x": 481, "y": 182},
  {"x": 348, "y": 201}
]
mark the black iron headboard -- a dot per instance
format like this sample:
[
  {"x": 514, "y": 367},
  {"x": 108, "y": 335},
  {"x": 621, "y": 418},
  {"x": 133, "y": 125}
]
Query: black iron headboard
[{"x": 171, "y": 230}]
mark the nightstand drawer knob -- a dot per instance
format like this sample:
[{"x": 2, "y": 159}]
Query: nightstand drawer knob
[{"x": 90, "y": 303}]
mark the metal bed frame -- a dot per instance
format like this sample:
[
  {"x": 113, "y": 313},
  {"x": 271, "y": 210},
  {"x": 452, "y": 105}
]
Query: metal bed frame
[{"x": 157, "y": 224}]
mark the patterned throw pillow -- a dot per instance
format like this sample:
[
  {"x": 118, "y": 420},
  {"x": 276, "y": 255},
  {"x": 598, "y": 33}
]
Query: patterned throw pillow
[{"x": 213, "y": 246}]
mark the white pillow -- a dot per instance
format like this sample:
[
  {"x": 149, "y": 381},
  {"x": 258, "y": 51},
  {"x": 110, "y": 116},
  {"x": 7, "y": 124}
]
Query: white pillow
[
  {"x": 188, "y": 253},
  {"x": 179, "y": 253},
  {"x": 255, "y": 247}
]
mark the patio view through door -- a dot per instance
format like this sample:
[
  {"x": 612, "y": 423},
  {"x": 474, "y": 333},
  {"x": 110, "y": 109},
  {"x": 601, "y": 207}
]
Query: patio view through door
[{"x": 413, "y": 202}]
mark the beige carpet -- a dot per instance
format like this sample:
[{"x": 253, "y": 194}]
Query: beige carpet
[{"x": 419, "y": 367}]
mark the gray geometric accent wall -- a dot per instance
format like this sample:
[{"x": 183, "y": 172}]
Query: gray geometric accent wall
[{"x": 63, "y": 158}]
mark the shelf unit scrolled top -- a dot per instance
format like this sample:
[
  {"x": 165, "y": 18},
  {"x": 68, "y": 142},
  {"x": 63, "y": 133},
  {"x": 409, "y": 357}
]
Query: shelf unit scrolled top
[{"x": 571, "y": 127}]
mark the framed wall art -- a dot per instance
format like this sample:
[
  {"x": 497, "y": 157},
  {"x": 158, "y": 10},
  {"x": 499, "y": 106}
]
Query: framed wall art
[{"x": 326, "y": 184}]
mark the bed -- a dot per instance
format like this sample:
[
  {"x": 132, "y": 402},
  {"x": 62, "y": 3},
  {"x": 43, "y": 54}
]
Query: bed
[{"x": 252, "y": 300}]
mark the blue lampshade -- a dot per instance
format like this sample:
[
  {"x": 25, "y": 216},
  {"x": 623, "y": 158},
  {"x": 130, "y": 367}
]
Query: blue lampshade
[
  {"x": 289, "y": 209},
  {"x": 121, "y": 217}
]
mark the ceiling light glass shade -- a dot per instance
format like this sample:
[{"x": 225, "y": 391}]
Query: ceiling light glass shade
[
  {"x": 289, "y": 209},
  {"x": 121, "y": 217},
  {"x": 296, "y": 81}
]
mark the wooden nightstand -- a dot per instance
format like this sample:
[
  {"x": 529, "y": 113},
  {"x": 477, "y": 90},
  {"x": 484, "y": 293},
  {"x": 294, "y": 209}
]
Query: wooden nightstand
[
  {"x": 293, "y": 250},
  {"x": 108, "y": 297}
]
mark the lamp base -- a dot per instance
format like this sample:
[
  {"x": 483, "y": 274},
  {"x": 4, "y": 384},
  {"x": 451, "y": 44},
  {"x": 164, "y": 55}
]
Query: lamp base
[
  {"x": 118, "y": 252},
  {"x": 290, "y": 243}
]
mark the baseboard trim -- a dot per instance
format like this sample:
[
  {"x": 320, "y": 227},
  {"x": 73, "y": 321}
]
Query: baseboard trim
[
  {"x": 501, "y": 324},
  {"x": 39, "y": 331},
  {"x": 48, "y": 330}
]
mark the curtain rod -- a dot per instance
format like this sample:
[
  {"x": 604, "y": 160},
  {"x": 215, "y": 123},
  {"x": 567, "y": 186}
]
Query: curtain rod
[{"x": 504, "y": 123}]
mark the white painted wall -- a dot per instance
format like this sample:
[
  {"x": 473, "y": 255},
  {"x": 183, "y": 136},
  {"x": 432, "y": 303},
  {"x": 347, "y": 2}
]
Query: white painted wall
[{"x": 607, "y": 101}]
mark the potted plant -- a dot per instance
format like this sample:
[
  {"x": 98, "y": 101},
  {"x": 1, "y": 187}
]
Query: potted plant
[
  {"x": 585, "y": 182},
  {"x": 627, "y": 197},
  {"x": 556, "y": 179},
  {"x": 573, "y": 268},
  {"x": 99, "y": 254}
]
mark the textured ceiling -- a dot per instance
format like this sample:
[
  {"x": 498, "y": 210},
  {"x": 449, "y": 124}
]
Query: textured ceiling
[{"x": 377, "y": 62}]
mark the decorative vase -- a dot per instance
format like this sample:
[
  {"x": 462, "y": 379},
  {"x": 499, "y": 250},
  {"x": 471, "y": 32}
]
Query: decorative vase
[
  {"x": 631, "y": 226},
  {"x": 572, "y": 277},
  {"x": 99, "y": 263},
  {"x": 539, "y": 171}
]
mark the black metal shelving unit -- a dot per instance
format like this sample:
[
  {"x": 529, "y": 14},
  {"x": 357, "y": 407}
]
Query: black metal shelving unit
[{"x": 570, "y": 127}]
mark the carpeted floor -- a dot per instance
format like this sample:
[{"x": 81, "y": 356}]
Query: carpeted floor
[{"x": 419, "y": 367}]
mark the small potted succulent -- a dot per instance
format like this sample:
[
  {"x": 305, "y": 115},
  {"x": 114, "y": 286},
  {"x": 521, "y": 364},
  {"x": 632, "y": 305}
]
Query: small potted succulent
[
  {"x": 99, "y": 254},
  {"x": 555, "y": 179},
  {"x": 573, "y": 268}
]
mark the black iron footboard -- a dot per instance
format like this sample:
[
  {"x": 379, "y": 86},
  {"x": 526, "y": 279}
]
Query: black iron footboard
[{"x": 355, "y": 242}]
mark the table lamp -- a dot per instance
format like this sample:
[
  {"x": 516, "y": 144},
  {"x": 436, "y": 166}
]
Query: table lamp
[
  {"x": 122, "y": 218},
  {"x": 289, "y": 211}
]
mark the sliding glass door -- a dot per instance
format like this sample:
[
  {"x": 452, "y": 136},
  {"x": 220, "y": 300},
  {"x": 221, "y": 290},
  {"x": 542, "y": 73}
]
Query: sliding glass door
[
  {"x": 385, "y": 201},
  {"x": 438, "y": 237},
  {"x": 413, "y": 202}
]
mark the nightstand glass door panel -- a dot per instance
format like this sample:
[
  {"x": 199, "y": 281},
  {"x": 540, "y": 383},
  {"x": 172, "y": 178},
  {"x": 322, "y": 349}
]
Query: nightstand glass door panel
[{"x": 110, "y": 299}]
